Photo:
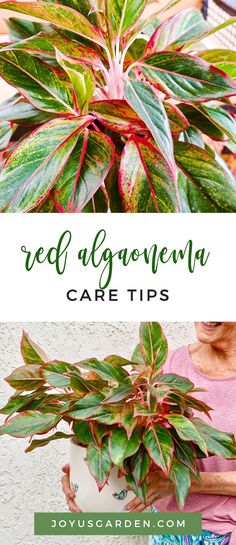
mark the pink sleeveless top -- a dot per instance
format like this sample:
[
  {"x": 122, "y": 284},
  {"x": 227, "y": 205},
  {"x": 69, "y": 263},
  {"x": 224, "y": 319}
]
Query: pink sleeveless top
[{"x": 218, "y": 512}]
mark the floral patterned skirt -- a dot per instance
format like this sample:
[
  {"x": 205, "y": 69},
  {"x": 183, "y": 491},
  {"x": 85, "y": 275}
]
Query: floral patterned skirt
[{"x": 206, "y": 538}]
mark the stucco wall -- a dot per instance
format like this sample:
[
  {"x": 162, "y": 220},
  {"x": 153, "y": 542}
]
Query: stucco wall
[{"x": 31, "y": 482}]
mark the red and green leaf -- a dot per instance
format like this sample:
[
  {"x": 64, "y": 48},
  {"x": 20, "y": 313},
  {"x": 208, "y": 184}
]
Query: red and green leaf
[
  {"x": 36, "y": 443},
  {"x": 31, "y": 352},
  {"x": 27, "y": 377},
  {"x": 210, "y": 181},
  {"x": 146, "y": 103},
  {"x": 29, "y": 423},
  {"x": 185, "y": 77},
  {"x": 85, "y": 171},
  {"x": 146, "y": 181},
  {"x": 99, "y": 463},
  {"x": 38, "y": 82},
  {"x": 180, "y": 475},
  {"x": 117, "y": 116},
  {"x": 178, "y": 30},
  {"x": 118, "y": 442},
  {"x": 61, "y": 16},
  {"x": 186, "y": 430},
  {"x": 24, "y": 184},
  {"x": 153, "y": 344},
  {"x": 159, "y": 445}
]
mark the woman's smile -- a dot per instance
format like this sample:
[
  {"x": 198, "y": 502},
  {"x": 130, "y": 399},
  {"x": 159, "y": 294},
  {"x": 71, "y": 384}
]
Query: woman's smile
[{"x": 211, "y": 326}]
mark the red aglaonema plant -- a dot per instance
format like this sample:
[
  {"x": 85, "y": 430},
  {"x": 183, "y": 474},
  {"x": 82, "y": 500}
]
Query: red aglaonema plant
[
  {"x": 127, "y": 414},
  {"x": 111, "y": 109}
]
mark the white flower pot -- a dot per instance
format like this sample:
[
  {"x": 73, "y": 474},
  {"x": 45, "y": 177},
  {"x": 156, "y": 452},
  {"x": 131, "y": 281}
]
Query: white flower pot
[{"x": 112, "y": 497}]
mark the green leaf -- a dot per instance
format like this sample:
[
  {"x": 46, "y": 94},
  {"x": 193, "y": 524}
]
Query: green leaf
[
  {"x": 108, "y": 415},
  {"x": 85, "y": 171},
  {"x": 186, "y": 430},
  {"x": 22, "y": 112},
  {"x": 191, "y": 402},
  {"x": 175, "y": 381},
  {"x": 59, "y": 15},
  {"x": 81, "y": 78},
  {"x": 134, "y": 441},
  {"x": 99, "y": 203},
  {"x": 141, "y": 465},
  {"x": 140, "y": 491},
  {"x": 192, "y": 136},
  {"x": 128, "y": 420},
  {"x": 99, "y": 464},
  {"x": 146, "y": 103},
  {"x": 215, "y": 122},
  {"x": 154, "y": 345},
  {"x": 178, "y": 30},
  {"x": 119, "y": 394},
  {"x": 184, "y": 451},
  {"x": 105, "y": 370},
  {"x": 124, "y": 13},
  {"x": 180, "y": 476},
  {"x": 17, "y": 403},
  {"x": 29, "y": 423},
  {"x": 26, "y": 378},
  {"x": 223, "y": 59},
  {"x": 118, "y": 360},
  {"x": 146, "y": 182},
  {"x": 100, "y": 431},
  {"x": 211, "y": 181},
  {"x": 137, "y": 356},
  {"x": 218, "y": 442},
  {"x": 92, "y": 399},
  {"x": 37, "y": 81},
  {"x": 159, "y": 445},
  {"x": 55, "y": 373},
  {"x": 229, "y": 21},
  {"x": 117, "y": 116},
  {"x": 6, "y": 131},
  {"x": 118, "y": 442},
  {"x": 185, "y": 77},
  {"x": 19, "y": 29},
  {"x": 44, "y": 44},
  {"x": 23, "y": 183},
  {"x": 31, "y": 352},
  {"x": 36, "y": 443},
  {"x": 178, "y": 122},
  {"x": 82, "y": 431}
]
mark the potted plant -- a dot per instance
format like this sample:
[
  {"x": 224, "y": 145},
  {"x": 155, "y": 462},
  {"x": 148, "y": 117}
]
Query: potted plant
[
  {"x": 112, "y": 108},
  {"x": 126, "y": 419}
]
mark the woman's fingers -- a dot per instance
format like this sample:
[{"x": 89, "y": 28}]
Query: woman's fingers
[
  {"x": 134, "y": 505},
  {"x": 66, "y": 469},
  {"x": 72, "y": 507},
  {"x": 66, "y": 487},
  {"x": 65, "y": 483}
]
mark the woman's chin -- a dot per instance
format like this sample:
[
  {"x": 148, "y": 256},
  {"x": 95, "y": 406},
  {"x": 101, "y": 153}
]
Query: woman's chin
[{"x": 208, "y": 331}]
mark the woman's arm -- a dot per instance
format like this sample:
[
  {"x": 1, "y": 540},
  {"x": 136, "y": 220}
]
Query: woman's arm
[
  {"x": 223, "y": 484},
  {"x": 211, "y": 483}
]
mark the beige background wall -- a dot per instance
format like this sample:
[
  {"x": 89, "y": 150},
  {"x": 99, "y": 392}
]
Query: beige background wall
[{"x": 31, "y": 482}]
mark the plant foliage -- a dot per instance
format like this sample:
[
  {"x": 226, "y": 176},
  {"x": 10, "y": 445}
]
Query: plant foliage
[
  {"x": 127, "y": 414},
  {"x": 112, "y": 108}
]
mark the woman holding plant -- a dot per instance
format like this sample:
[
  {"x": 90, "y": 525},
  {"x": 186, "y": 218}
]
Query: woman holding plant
[{"x": 210, "y": 363}]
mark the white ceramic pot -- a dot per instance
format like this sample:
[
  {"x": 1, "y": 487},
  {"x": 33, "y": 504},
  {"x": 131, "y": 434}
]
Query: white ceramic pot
[{"x": 112, "y": 497}]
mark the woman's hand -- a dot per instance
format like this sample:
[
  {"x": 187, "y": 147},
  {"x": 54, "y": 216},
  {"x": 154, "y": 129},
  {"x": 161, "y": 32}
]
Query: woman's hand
[
  {"x": 69, "y": 494},
  {"x": 159, "y": 487}
]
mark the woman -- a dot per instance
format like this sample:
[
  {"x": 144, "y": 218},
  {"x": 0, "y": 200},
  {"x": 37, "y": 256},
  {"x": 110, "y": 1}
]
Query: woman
[{"x": 210, "y": 363}]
